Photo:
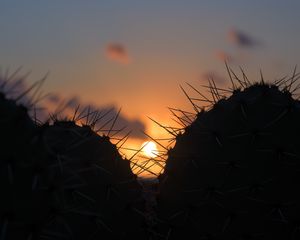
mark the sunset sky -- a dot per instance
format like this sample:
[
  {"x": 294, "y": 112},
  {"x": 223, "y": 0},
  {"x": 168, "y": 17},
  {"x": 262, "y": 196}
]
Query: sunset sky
[{"x": 134, "y": 54}]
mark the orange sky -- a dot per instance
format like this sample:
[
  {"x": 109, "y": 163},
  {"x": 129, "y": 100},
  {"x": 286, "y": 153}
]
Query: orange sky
[{"x": 135, "y": 54}]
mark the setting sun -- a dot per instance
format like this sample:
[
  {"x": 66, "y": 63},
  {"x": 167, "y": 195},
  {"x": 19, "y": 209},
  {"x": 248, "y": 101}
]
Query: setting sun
[{"x": 149, "y": 149}]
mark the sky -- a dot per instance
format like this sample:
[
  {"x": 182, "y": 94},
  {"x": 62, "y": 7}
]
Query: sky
[{"x": 134, "y": 54}]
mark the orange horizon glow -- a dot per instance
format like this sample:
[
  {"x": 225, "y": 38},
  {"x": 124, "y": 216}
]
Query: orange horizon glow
[{"x": 146, "y": 162}]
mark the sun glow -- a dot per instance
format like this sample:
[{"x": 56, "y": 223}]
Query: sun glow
[{"x": 149, "y": 149}]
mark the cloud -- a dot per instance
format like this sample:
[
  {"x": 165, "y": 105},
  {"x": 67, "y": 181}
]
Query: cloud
[
  {"x": 215, "y": 76},
  {"x": 136, "y": 126},
  {"x": 67, "y": 107},
  {"x": 73, "y": 102},
  {"x": 118, "y": 53},
  {"x": 58, "y": 100},
  {"x": 241, "y": 39},
  {"x": 53, "y": 98},
  {"x": 223, "y": 56}
]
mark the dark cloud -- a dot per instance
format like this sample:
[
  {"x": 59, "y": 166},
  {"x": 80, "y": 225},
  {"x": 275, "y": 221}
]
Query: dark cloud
[
  {"x": 57, "y": 101},
  {"x": 65, "y": 109},
  {"x": 73, "y": 102},
  {"x": 53, "y": 98},
  {"x": 137, "y": 126},
  {"x": 118, "y": 53},
  {"x": 241, "y": 39},
  {"x": 110, "y": 113}
]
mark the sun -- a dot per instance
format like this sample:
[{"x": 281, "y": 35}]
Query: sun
[{"x": 149, "y": 149}]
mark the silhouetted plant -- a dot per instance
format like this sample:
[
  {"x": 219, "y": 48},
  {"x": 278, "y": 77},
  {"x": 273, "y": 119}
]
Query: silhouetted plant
[
  {"x": 234, "y": 172},
  {"x": 20, "y": 207},
  {"x": 102, "y": 192},
  {"x": 64, "y": 181}
]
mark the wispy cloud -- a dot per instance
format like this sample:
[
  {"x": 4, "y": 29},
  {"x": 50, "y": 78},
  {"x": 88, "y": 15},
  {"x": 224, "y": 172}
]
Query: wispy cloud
[
  {"x": 241, "y": 39},
  {"x": 118, "y": 53},
  {"x": 223, "y": 56}
]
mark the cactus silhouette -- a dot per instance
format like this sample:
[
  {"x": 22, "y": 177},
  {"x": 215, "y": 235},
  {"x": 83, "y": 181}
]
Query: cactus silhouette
[
  {"x": 63, "y": 181},
  {"x": 20, "y": 206},
  {"x": 102, "y": 195},
  {"x": 234, "y": 171}
]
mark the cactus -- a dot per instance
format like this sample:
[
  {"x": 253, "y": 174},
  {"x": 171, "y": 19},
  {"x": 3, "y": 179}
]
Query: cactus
[
  {"x": 234, "y": 173},
  {"x": 63, "y": 181},
  {"x": 102, "y": 194},
  {"x": 20, "y": 206}
]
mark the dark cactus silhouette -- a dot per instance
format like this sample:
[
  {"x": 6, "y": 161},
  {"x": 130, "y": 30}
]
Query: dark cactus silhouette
[
  {"x": 63, "y": 181},
  {"x": 20, "y": 206},
  {"x": 103, "y": 194},
  {"x": 234, "y": 173}
]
